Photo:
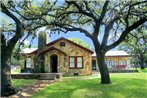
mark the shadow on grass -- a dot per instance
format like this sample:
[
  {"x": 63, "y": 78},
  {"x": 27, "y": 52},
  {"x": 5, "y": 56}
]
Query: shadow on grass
[{"x": 120, "y": 88}]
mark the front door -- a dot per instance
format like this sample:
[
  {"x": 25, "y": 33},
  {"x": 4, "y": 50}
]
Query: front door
[
  {"x": 53, "y": 63},
  {"x": 93, "y": 64}
]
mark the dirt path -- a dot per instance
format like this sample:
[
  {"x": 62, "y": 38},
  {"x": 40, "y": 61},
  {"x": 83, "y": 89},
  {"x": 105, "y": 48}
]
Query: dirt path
[{"x": 26, "y": 92}]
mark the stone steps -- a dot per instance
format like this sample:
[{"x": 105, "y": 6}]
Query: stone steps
[{"x": 47, "y": 77}]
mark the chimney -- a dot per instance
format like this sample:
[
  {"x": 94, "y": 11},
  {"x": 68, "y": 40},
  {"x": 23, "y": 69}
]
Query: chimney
[
  {"x": 40, "y": 59},
  {"x": 41, "y": 41}
]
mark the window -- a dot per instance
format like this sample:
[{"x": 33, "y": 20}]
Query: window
[
  {"x": 123, "y": 62},
  {"x": 79, "y": 62},
  {"x": 110, "y": 63},
  {"x": 76, "y": 62},
  {"x": 28, "y": 63},
  {"x": 62, "y": 44},
  {"x": 72, "y": 62}
]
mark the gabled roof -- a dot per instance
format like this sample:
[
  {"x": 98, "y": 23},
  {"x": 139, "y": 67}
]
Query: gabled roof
[
  {"x": 114, "y": 53},
  {"x": 62, "y": 38},
  {"x": 52, "y": 48},
  {"x": 33, "y": 51}
]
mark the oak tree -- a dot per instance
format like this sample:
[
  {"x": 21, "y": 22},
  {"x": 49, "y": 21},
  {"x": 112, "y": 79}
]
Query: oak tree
[
  {"x": 106, "y": 23},
  {"x": 23, "y": 16}
]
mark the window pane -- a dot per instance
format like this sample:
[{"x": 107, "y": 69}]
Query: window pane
[
  {"x": 71, "y": 59},
  {"x": 79, "y": 59},
  {"x": 28, "y": 63},
  {"x": 124, "y": 62},
  {"x": 28, "y": 59},
  {"x": 62, "y": 44},
  {"x": 121, "y": 62},
  {"x": 79, "y": 65},
  {"x": 71, "y": 65}
]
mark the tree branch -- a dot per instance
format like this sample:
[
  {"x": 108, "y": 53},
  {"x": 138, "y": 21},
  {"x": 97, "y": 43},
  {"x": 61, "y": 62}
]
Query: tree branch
[
  {"x": 107, "y": 29},
  {"x": 19, "y": 25},
  {"x": 125, "y": 33},
  {"x": 8, "y": 13},
  {"x": 81, "y": 10},
  {"x": 72, "y": 28},
  {"x": 100, "y": 19}
]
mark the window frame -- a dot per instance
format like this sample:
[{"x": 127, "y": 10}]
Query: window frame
[
  {"x": 110, "y": 63},
  {"x": 62, "y": 44},
  {"x": 75, "y": 62},
  {"x": 29, "y": 62},
  {"x": 122, "y": 62}
]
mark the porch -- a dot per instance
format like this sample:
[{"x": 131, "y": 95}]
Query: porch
[{"x": 41, "y": 76}]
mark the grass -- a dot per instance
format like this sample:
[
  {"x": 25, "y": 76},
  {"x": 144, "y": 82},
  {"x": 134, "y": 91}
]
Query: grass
[
  {"x": 22, "y": 82},
  {"x": 124, "y": 85},
  {"x": 15, "y": 71},
  {"x": 142, "y": 70}
]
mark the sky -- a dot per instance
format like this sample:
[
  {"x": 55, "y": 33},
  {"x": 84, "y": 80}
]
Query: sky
[
  {"x": 56, "y": 36},
  {"x": 53, "y": 37}
]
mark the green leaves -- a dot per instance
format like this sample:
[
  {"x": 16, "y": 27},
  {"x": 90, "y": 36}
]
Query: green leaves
[{"x": 80, "y": 42}]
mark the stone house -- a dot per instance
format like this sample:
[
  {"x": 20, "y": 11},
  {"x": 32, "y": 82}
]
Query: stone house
[
  {"x": 66, "y": 57},
  {"x": 62, "y": 56}
]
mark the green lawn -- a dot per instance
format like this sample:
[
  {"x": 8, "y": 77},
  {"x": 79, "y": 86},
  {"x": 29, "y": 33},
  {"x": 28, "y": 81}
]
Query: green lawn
[
  {"x": 124, "y": 85},
  {"x": 142, "y": 70},
  {"x": 15, "y": 71},
  {"x": 22, "y": 82}
]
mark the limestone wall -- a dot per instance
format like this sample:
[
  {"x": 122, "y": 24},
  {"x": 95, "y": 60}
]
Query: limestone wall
[{"x": 63, "y": 61}]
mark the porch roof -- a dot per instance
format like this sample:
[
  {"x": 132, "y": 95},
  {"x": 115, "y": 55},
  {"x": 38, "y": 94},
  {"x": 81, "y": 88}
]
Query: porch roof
[{"x": 52, "y": 48}]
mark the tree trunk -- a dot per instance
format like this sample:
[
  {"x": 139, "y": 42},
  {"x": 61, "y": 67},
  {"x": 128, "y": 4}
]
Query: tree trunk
[
  {"x": 142, "y": 64},
  {"x": 100, "y": 56},
  {"x": 6, "y": 52},
  {"x": 6, "y": 84},
  {"x": 141, "y": 61},
  {"x": 105, "y": 78}
]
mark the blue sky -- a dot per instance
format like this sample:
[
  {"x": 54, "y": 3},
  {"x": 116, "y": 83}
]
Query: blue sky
[
  {"x": 67, "y": 35},
  {"x": 56, "y": 36},
  {"x": 53, "y": 37}
]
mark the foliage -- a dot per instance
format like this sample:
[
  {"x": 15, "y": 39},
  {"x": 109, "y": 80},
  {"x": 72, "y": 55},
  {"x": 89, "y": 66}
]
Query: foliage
[
  {"x": 19, "y": 26},
  {"x": 16, "y": 56},
  {"x": 80, "y": 42},
  {"x": 117, "y": 19},
  {"x": 124, "y": 85},
  {"x": 136, "y": 45}
]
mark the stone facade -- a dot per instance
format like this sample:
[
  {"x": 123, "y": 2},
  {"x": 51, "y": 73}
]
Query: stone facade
[
  {"x": 59, "y": 53},
  {"x": 62, "y": 54}
]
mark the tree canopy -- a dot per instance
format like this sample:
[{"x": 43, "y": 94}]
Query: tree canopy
[
  {"x": 79, "y": 41},
  {"x": 116, "y": 18},
  {"x": 136, "y": 45},
  {"x": 106, "y": 23}
]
